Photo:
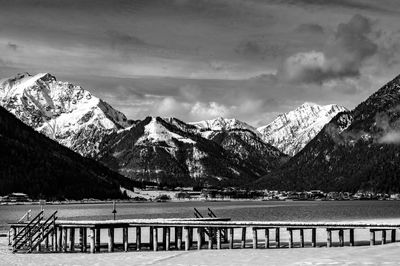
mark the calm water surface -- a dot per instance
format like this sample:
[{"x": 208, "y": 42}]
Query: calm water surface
[{"x": 237, "y": 210}]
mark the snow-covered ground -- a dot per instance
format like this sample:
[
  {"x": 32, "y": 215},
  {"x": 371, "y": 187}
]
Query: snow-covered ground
[{"x": 364, "y": 255}]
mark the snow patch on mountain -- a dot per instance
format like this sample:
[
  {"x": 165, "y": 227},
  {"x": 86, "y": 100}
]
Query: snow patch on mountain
[
  {"x": 156, "y": 132},
  {"x": 290, "y": 132},
  {"x": 208, "y": 128}
]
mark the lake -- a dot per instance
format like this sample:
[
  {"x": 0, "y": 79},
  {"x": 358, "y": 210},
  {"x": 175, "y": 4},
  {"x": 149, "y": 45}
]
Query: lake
[{"x": 237, "y": 210}]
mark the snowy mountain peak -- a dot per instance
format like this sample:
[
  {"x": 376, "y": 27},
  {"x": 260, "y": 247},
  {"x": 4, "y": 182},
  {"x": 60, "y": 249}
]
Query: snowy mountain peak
[
  {"x": 291, "y": 131},
  {"x": 221, "y": 123},
  {"x": 155, "y": 131},
  {"x": 61, "y": 110}
]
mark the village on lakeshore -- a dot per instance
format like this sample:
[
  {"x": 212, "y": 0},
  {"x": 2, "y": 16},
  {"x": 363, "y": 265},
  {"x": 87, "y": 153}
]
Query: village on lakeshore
[{"x": 159, "y": 194}]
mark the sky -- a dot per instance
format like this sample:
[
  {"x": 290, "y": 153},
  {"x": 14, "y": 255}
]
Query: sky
[{"x": 201, "y": 59}]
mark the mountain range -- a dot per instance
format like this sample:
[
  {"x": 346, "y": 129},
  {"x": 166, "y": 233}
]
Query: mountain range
[
  {"x": 312, "y": 147},
  {"x": 34, "y": 164},
  {"x": 357, "y": 149}
]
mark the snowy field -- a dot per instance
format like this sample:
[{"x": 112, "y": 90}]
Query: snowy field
[{"x": 365, "y": 255}]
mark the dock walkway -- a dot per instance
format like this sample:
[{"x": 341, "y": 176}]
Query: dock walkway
[{"x": 190, "y": 234}]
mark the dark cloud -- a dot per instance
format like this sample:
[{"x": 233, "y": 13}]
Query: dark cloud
[
  {"x": 369, "y": 5},
  {"x": 342, "y": 57},
  {"x": 12, "y": 46},
  {"x": 259, "y": 48},
  {"x": 310, "y": 28},
  {"x": 121, "y": 39}
]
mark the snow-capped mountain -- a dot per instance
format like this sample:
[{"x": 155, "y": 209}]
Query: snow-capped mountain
[
  {"x": 34, "y": 164},
  {"x": 169, "y": 151},
  {"x": 62, "y": 111},
  {"x": 290, "y": 132},
  {"x": 356, "y": 150},
  {"x": 207, "y": 128}
]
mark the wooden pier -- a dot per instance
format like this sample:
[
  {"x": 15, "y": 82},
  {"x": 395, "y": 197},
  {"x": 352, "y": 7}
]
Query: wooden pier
[{"x": 185, "y": 234}]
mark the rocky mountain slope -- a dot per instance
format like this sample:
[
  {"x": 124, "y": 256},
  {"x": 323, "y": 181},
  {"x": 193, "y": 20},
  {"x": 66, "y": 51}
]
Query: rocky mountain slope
[
  {"x": 290, "y": 132},
  {"x": 62, "y": 111},
  {"x": 358, "y": 149},
  {"x": 32, "y": 163},
  {"x": 208, "y": 127},
  {"x": 171, "y": 152}
]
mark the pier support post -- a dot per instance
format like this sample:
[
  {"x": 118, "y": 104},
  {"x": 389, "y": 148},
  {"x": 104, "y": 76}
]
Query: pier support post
[
  {"x": 199, "y": 238},
  {"x": 341, "y": 238},
  {"x": 255, "y": 240},
  {"x": 352, "y": 237},
  {"x": 372, "y": 237},
  {"x": 277, "y": 238},
  {"x": 190, "y": 236},
  {"x": 302, "y": 238},
  {"x": 179, "y": 241},
  {"x": 81, "y": 238},
  {"x": 125, "y": 238},
  {"x": 155, "y": 238},
  {"x": 151, "y": 232},
  {"x": 167, "y": 237},
  {"x": 110, "y": 239},
  {"x": 65, "y": 241},
  {"x": 266, "y": 238},
  {"x": 187, "y": 246},
  {"x": 72, "y": 239},
  {"x": 243, "y": 243},
  {"x": 55, "y": 240},
  {"x": 328, "y": 238},
  {"x": 314, "y": 237},
  {"x": 219, "y": 237},
  {"x": 97, "y": 238},
  {"x": 231, "y": 237},
  {"x": 290, "y": 237},
  {"x": 393, "y": 235},
  {"x": 85, "y": 237},
  {"x": 383, "y": 237},
  {"x": 210, "y": 237},
  {"x": 138, "y": 237},
  {"x": 92, "y": 240}
]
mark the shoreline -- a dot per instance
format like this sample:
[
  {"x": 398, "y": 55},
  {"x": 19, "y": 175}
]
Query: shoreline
[{"x": 166, "y": 201}]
